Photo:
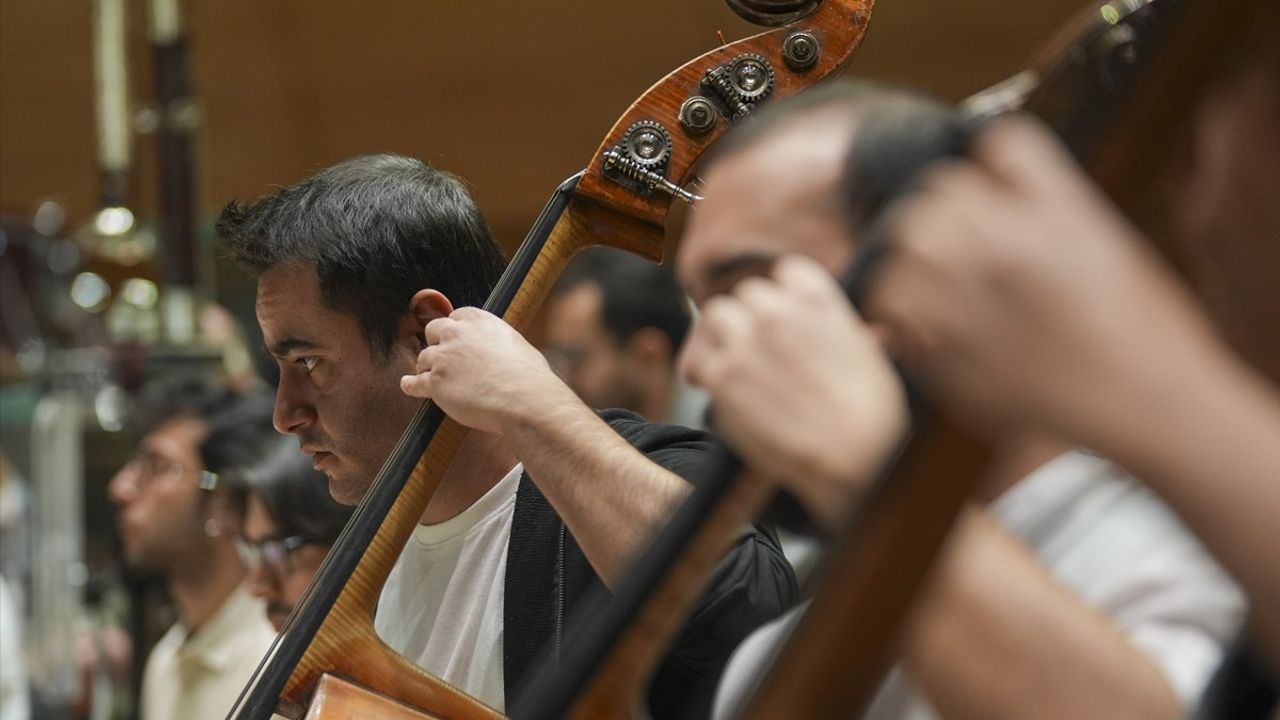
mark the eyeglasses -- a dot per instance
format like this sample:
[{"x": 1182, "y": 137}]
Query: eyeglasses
[
  {"x": 273, "y": 553},
  {"x": 149, "y": 466}
]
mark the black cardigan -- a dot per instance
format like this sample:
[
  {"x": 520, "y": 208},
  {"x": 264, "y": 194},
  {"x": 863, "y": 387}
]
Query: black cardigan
[{"x": 547, "y": 574}]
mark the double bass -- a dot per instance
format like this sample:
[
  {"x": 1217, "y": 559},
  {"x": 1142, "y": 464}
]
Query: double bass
[{"x": 328, "y": 659}]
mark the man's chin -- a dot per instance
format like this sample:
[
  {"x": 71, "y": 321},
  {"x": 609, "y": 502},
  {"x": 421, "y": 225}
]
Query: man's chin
[
  {"x": 344, "y": 490},
  {"x": 341, "y": 487},
  {"x": 140, "y": 562}
]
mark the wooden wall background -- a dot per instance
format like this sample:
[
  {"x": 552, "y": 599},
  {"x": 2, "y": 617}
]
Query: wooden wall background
[{"x": 512, "y": 96}]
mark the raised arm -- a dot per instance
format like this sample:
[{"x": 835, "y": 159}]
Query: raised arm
[
  {"x": 488, "y": 377},
  {"x": 1017, "y": 289}
]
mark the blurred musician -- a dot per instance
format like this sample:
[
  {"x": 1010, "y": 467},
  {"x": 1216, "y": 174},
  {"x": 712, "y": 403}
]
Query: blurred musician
[
  {"x": 178, "y": 518},
  {"x": 290, "y": 522},
  {"x": 1070, "y": 577},
  {"x": 614, "y": 324}
]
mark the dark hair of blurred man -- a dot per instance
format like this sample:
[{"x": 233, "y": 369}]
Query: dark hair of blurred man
[
  {"x": 290, "y": 523},
  {"x": 176, "y": 518},
  {"x": 614, "y": 324}
]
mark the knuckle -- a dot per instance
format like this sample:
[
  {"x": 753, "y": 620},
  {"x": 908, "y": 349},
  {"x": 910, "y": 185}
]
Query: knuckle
[{"x": 714, "y": 311}]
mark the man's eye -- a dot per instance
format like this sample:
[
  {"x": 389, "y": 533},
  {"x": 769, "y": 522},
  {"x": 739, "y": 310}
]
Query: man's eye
[{"x": 308, "y": 363}]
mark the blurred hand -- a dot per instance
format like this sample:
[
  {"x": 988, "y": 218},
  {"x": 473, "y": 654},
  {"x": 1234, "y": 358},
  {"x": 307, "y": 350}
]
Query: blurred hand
[
  {"x": 482, "y": 372},
  {"x": 800, "y": 386},
  {"x": 1022, "y": 294}
]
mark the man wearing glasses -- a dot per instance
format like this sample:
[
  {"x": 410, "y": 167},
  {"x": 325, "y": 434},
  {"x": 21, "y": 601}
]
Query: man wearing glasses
[
  {"x": 177, "y": 519},
  {"x": 290, "y": 523}
]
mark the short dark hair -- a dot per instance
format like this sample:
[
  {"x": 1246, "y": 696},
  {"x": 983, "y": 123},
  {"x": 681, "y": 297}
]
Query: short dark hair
[
  {"x": 899, "y": 134},
  {"x": 377, "y": 228},
  {"x": 295, "y": 495},
  {"x": 896, "y": 132},
  {"x": 636, "y": 293},
  {"x": 238, "y": 426}
]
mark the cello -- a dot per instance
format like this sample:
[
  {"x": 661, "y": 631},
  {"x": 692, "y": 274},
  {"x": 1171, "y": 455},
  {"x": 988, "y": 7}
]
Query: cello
[{"x": 328, "y": 654}]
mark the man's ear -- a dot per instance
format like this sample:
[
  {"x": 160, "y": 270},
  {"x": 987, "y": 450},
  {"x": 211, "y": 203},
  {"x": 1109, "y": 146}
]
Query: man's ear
[
  {"x": 222, "y": 516},
  {"x": 425, "y": 306},
  {"x": 651, "y": 346}
]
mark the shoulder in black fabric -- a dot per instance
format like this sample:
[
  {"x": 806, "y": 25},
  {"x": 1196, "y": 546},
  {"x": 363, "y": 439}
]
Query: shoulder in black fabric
[
  {"x": 682, "y": 450},
  {"x": 529, "y": 590},
  {"x": 549, "y": 579},
  {"x": 546, "y": 570}
]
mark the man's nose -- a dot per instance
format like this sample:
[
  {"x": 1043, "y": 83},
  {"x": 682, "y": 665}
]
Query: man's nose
[
  {"x": 292, "y": 411},
  {"x": 124, "y": 486},
  {"x": 259, "y": 581}
]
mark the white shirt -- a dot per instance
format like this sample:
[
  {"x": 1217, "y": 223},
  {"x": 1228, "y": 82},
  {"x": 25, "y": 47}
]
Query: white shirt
[
  {"x": 1111, "y": 541},
  {"x": 198, "y": 676},
  {"x": 1126, "y": 553},
  {"x": 443, "y": 603},
  {"x": 13, "y": 679}
]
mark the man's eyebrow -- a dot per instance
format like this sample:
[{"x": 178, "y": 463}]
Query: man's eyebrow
[
  {"x": 737, "y": 265},
  {"x": 281, "y": 348}
]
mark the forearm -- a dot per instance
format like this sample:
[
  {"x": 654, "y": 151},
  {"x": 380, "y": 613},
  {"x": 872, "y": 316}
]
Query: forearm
[
  {"x": 611, "y": 497},
  {"x": 998, "y": 637},
  {"x": 1208, "y": 442}
]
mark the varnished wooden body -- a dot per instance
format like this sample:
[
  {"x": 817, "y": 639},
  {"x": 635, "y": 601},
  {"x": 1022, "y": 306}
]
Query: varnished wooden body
[{"x": 337, "y": 699}]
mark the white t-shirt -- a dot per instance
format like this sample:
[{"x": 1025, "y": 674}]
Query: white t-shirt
[
  {"x": 442, "y": 606},
  {"x": 1111, "y": 541},
  {"x": 13, "y": 679}
]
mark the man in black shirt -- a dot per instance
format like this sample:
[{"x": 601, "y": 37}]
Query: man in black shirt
[{"x": 369, "y": 274}]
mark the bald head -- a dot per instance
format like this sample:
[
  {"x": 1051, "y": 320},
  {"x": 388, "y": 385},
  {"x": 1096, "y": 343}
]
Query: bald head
[
  {"x": 775, "y": 195},
  {"x": 803, "y": 175}
]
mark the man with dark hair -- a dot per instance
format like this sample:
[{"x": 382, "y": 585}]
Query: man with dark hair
[
  {"x": 290, "y": 522},
  {"x": 1070, "y": 576},
  {"x": 614, "y": 323},
  {"x": 368, "y": 277},
  {"x": 177, "y": 518}
]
